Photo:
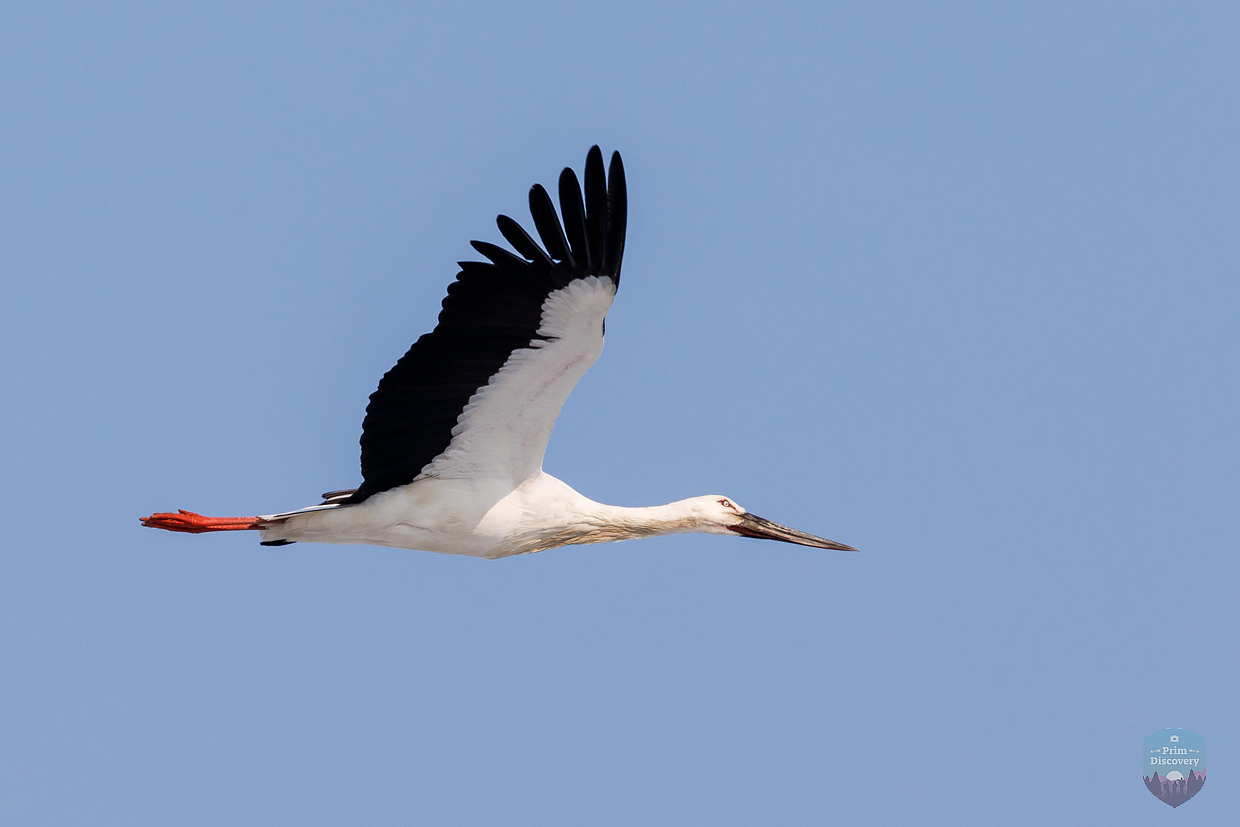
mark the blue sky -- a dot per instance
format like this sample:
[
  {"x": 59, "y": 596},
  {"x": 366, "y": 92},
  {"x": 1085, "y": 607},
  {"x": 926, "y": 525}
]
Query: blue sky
[{"x": 955, "y": 284}]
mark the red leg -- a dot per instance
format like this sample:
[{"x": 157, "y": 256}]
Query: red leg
[{"x": 192, "y": 523}]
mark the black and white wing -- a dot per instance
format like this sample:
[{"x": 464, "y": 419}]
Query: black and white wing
[{"x": 477, "y": 397}]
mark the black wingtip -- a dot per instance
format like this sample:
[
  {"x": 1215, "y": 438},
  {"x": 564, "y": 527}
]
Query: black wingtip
[
  {"x": 500, "y": 257},
  {"x": 521, "y": 241},
  {"x": 574, "y": 213},
  {"x": 596, "y": 208},
  {"x": 617, "y": 216},
  {"x": 586, "y": 234},
  {"x": 548, "y": 225}
]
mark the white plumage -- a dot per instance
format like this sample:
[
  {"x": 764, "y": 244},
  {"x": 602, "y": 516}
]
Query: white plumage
[
  {"x": 453, "y": 441},
  {"x": 503, "y": 432}
]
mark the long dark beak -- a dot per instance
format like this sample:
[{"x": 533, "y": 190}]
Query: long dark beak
[{"x": 754, "y": 526}]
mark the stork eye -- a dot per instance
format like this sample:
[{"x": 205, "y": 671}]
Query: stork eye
[{"x": 725, "y": 503}]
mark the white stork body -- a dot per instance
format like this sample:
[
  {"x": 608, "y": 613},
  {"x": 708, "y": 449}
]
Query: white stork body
[
  {"x": 453, "y": 441},
  {"x": 486, "y": 518}
]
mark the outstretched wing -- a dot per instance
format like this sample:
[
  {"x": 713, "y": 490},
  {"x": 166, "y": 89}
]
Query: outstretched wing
[{"x": 477, "y": 397}]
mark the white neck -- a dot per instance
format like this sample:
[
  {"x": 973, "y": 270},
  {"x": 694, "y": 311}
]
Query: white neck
[
  {"x": 647, "y": 521},
  {"x": 579, "y": 520}
]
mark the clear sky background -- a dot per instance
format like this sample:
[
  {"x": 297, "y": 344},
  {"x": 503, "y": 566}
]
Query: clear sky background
[{"x": 953, "y": 283}]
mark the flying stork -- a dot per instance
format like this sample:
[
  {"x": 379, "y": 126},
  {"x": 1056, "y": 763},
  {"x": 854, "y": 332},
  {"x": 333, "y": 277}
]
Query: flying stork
[{"x": 453, "y": 439}]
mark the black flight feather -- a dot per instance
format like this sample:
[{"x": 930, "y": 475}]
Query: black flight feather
[
  {"x": 548, "y": 225},
  {"x": 596, "y": 208},
  {"x": 521, "y": 241},
  {"x": 617, "y": 217},
  {"x": 574, "y": 218},
  {"x": 500, "y": 257}
]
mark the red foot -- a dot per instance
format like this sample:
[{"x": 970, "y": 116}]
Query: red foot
[{"x": 192, "y": 523}]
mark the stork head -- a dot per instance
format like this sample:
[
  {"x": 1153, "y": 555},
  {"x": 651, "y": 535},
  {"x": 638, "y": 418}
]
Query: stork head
[{"x": 722, "y": 515}]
